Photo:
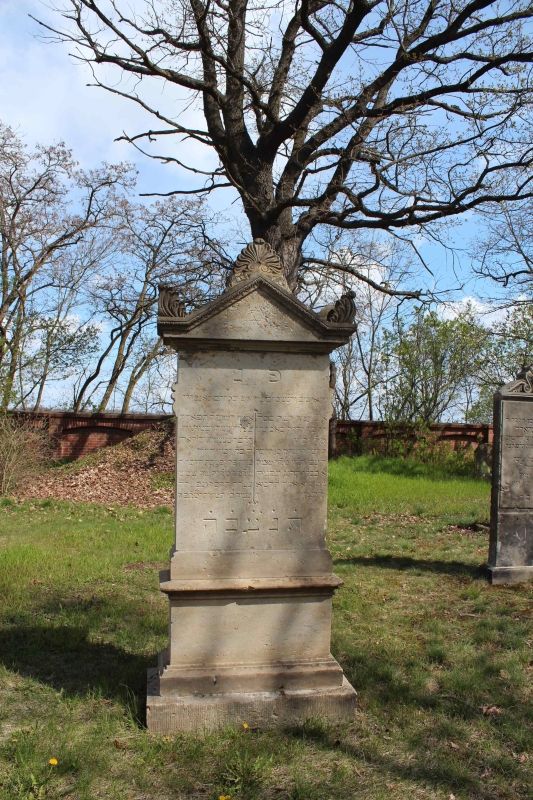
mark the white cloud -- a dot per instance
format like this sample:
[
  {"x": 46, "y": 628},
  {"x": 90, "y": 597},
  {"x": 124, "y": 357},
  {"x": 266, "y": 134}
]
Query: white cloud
[
  {"x": 45, "y": 97},
  {"x": 486, "y": 312}
]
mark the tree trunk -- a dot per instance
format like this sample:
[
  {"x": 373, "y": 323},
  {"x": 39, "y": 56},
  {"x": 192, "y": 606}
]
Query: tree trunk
[
  {"x": 136, "y": 374},
  {"x": 116, "y": 372},
  {"x": 13, "y": 347}
]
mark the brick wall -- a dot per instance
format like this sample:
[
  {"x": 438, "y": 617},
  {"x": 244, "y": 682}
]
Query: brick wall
[
  {"x": 74, "y": 434},
  {"x": 355, "y": 437}
]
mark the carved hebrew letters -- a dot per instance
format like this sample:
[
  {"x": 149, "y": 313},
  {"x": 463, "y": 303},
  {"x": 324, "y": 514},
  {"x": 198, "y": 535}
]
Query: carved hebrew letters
[
  {"x": 516, "y": 487},
  {"x": 252, "y": 438}
]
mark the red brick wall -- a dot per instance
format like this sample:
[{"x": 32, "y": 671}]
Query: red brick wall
[
  {"x": 75, "y": 442},
  {"x": 73, "y": 434},
  {"x": 353, "y": 437}
]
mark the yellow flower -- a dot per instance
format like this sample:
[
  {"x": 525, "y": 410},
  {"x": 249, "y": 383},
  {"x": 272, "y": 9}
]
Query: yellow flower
[
  {"x": 245, "y": 726},
  {"x": 53, "y": 762},
  {"x": 224, "y": 797}
]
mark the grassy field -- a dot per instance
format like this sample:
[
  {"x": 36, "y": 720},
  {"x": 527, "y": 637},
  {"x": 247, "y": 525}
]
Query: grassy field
[{"x": 439, "y": 658}]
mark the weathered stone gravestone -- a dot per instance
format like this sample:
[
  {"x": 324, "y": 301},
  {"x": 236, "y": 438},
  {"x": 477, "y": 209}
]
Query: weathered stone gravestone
[
  {"x": 511, "y": 525},
  {"x": 250, "y": 584}
]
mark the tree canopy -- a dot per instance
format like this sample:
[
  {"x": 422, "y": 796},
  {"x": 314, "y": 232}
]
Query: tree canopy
[{"x": 381, "y": 115}]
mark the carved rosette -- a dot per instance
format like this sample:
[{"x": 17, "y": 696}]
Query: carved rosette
[
  {"x": 170, "y": 304},
  {"x": 344, "y": 309},
  {"x": 258, "y": 258},
  {"x": 524, "y": 381}
]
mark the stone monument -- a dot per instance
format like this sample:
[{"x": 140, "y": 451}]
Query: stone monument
[
  {"x": 511, "y": 519},
  {"x": 250, "y": 585}
]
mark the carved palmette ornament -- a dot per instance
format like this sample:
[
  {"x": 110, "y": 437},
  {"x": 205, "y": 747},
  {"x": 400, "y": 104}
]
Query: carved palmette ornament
[
  {"x": 170, "y": 304},
  {"x": 524, "y": 381},
  {"x": 343, "y": 310},
  {"x": 258, "y": 257}
]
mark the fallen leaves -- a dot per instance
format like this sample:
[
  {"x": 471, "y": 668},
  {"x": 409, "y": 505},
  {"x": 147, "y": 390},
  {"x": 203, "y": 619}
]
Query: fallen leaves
[
  {"x": 121, "y": 476},
  {"x": 491, "y": 711}
]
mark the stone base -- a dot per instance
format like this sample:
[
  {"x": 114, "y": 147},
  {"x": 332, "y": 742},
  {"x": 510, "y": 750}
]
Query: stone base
[
  {"x": 173, "y": 713},
  {"x": 501, "y": 575}
]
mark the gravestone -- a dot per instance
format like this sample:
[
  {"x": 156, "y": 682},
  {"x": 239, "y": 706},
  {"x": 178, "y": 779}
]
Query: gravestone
[
  {"x": 511, "y": 524},
  {"x": 250, "y": 584}
]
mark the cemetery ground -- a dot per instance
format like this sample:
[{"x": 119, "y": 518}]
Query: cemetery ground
[{"x": 439, "y": 657}]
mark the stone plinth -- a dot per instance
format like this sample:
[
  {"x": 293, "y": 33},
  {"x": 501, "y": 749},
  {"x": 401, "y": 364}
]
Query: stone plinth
[
  {"x": 511, "y": 536},
  {"x": 250, "y": 584}
]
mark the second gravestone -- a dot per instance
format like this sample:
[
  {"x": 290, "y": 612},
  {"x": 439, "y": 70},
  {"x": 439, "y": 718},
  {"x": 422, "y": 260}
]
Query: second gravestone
[
  {"x": 511, "y": 518},
  {"x": 250, "y": 584}
]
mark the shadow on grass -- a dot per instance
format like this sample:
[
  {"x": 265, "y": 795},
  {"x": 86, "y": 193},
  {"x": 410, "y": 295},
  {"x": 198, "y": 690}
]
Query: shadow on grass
[
  {"x": 422, "y": 752},
  {"x": 458, "y": 568},
  {"x": 65, "y": 659},
  {"x": 441, "y": 775}
]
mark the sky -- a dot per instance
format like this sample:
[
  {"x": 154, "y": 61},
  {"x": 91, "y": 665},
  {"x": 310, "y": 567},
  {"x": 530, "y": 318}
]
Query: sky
[{"x": 44, "y": 96}]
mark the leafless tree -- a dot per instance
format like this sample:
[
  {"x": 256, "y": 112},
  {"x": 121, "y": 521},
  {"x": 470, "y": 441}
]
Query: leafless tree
[
  {"x": 166, "y": 242},
  {"x": 49, "y": 212},
  {"x": 354, "y": 114},
  {"x": 373, "y": 274},
  {"x": 505, "y": 254}
]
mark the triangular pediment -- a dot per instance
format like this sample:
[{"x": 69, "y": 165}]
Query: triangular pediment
[
  {"x": 257, "y": 310},
  {"x": 256, "y": 316}
]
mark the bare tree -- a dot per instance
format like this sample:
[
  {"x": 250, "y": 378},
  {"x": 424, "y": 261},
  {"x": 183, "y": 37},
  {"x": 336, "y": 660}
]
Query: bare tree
[
  {"x": 49, "y": 213},
  {"x": 167, "y": 242},
  {"x": 153, "y": 391},
  {"x": 505, "y": 253},
  {"x": 372, "y": 274},
  {"x": 353, "y": 114}
]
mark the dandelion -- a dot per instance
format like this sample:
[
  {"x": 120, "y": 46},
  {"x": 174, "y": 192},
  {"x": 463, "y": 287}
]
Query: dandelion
[
  {"x": 245, "y": 726},
  {"x": 53, "y": 762},
  {"x": 224, "y": 797}
]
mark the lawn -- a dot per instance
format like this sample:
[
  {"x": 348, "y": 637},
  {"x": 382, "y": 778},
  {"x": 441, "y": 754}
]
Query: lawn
[{"x": 439, "y": 658}]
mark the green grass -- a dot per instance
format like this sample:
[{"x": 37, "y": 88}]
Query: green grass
[
  {"x": 370, "y": 484},
  {"x": 439, "y": 658}
]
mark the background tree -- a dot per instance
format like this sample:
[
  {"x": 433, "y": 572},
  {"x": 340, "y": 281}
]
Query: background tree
[
  {"x": 165, "y": 242},
  {"x": 50, "y": 211},
  {"x": 353, "y": 114},
  {"x": 505, "y": 254},
  {"x": 357, "y": 363},
  {"x": 510, "y": 347},
  {"x": 429, "y": 366}
]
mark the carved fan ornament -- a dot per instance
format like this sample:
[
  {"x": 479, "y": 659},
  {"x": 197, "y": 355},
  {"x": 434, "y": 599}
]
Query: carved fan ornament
[
  {"x": 258, "y": 258},
  {"x": 170, "y": 304},
  {"x": 524, "y": 381}
]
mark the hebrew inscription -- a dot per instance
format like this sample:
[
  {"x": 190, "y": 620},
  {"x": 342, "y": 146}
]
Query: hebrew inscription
[
  {"x": 516, "y": 488},
  {"x": 252, "y": 443}
]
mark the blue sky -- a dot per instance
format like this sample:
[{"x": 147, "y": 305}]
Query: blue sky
[{"x": 45, "y": 97}]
